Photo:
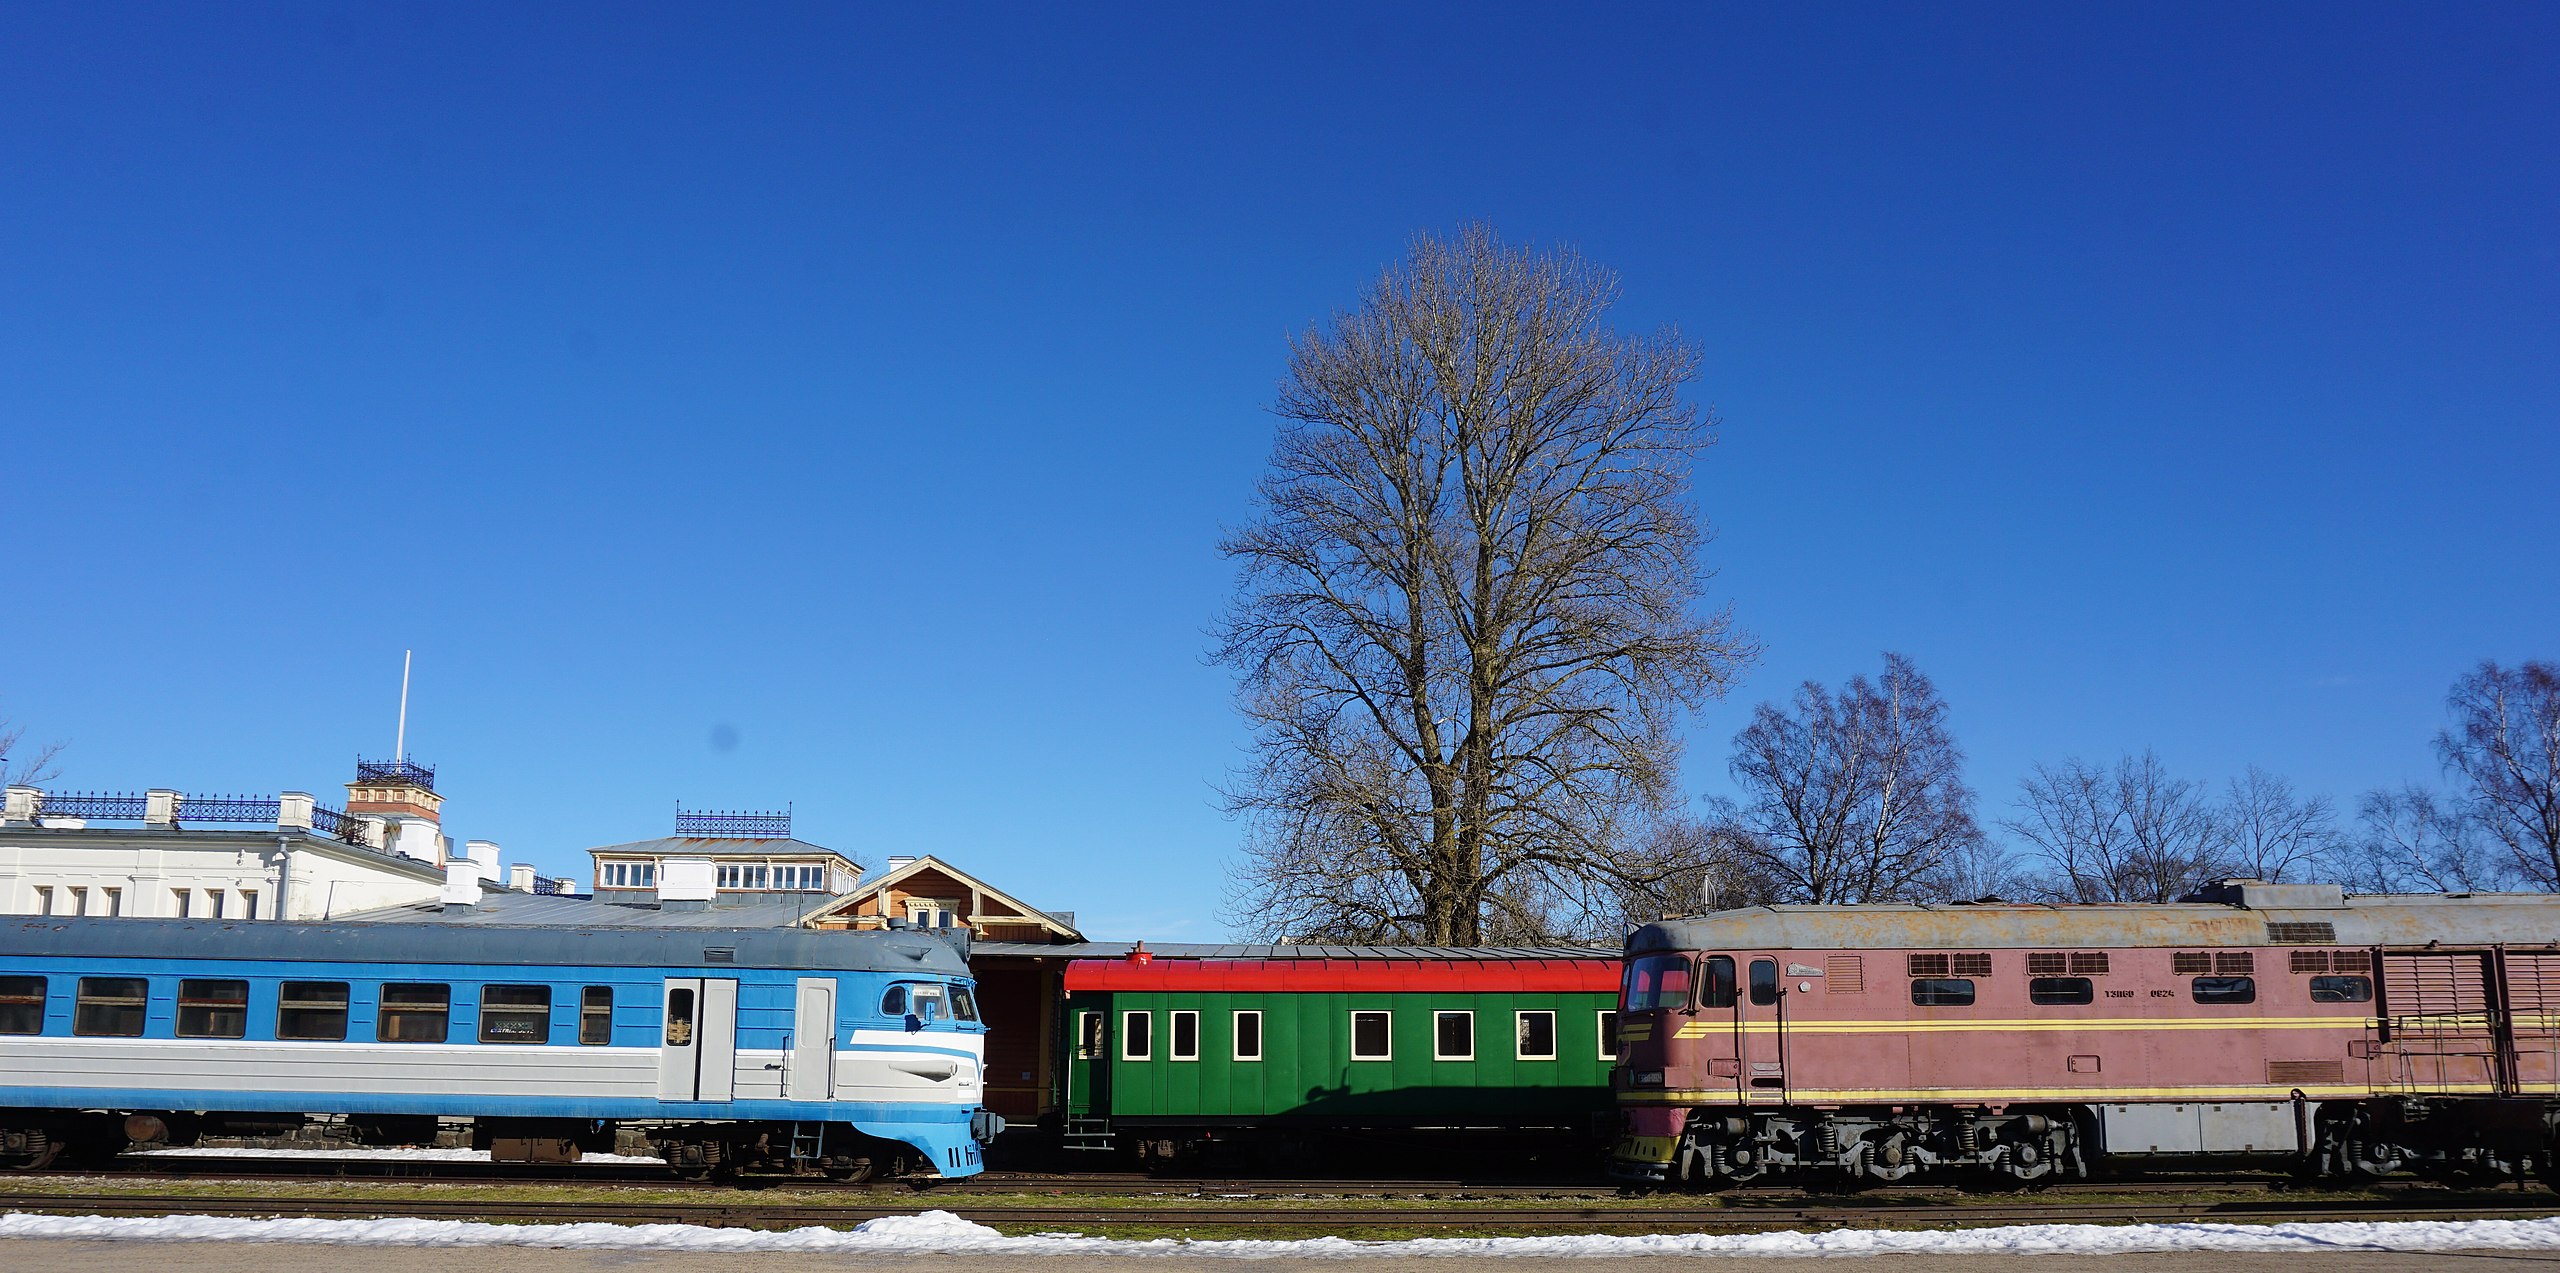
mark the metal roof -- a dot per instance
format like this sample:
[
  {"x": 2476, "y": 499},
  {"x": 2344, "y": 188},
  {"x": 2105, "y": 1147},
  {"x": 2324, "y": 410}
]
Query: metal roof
[
  {"x": 735, "y": 845},
  {"x": 2452, "y": 919},
  {"x": 1190, "y": 950},
  {"x": 535, "y": 910},
  {"x": 1317, "y": 976},
  {"x": 375, "y": 943}
]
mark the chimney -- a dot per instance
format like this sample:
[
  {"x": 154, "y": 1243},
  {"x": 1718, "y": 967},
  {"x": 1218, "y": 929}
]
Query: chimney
[
  {"x": 520, "y": 878},
  {"x": 294, "y": 810},
  {"x": 22, "y": 805},
  {"x": 687, "y": 884},
  {"x": 483, "y": 855},
  {"x": 461, "y": 886},
  {"x": 899, "y": 864}
]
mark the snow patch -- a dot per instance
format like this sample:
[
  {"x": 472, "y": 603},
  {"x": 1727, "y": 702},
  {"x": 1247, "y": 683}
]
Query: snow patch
[{"x": 944, "y": 1233}]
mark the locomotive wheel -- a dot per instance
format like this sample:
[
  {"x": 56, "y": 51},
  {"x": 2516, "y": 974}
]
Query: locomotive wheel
[
  {"x": 851, "y": 1171},
  {"x": 41, "y": 1152}
]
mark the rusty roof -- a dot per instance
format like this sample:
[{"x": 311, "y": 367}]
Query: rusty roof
[{"x": 2462, "y": 919}]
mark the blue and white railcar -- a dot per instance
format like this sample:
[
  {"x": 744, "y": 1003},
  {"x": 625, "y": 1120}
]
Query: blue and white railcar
[{"x": 853, "y": 1053}]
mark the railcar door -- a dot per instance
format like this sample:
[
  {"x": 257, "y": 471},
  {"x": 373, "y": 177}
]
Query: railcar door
[
  {"x": 2436, "y": 1032},
  {"x": 2533, "y": 1019},
  {"x": 813, "y": 1041},
  {"x": 698, "y": 1051},
  {"x": 1760, "y": 1013}
]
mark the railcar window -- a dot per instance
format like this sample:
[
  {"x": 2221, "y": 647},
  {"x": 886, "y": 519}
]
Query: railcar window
[
  {"x": 1764, "y": 981},
  {"x": 2226, "y": 990},
  {"x": 21, "y": 1005},
  {"x": 1942, "y": 992},
  {"x": 964, "y": 1005},
  {"x": 1715, "y": 983},
  {"x": 1137, "y": 1036},
  {"x": 1186, "y": 1036},
  {"x": 515, "y": 1014},
  {"x": 213, "y": 1009},
  {"x": 893, "y": 1001},
  {"x": 1661, "y": 981},
  {"x": 1453, "y": 1036},
  {"x": 2341, "y": 990},
  {"x": 1089, "y": 1035},
  {"x": 1608, "y": 1035},
  {"x": 413, "y": 1012},
  {"x": 1249, "y": 1036},
  {"x": 1534, "y": 1036},
  {"x": 110, "y": 1006},
  {"x": 679, "y": 1018},
  {"x": 2060, "y": 990},
  {"x": 928, "y": 1003},
  {"x": 1371, "y": 1039},
  {"x": 595, "y": 1016},
  {"x": 312, "y": 1011}
]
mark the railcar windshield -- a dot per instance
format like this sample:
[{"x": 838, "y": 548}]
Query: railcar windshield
[{"x": 1658, "y": 981}]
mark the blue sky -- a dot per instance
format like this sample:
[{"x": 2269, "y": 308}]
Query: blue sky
[{"x": 841, "y": 407}]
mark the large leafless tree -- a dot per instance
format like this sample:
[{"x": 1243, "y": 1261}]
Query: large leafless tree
[
  {"x": 2414, "y": 841},
  {"x": 2504, "y": 746},
  {"x": 1857, "y": 796},
  {"x": 2269, "y": 832},
  {"x": 2130, "y": 832},
  {"x": 1470, "y": 605}
]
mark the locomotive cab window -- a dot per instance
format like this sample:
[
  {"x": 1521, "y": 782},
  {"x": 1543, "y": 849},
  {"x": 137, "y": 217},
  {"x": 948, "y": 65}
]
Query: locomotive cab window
[
  {"x": 1942, "y": 992},
  {"x": 515, "y": 1014},
  {"x": 893, "y": 1001},
  {"x": 1715, "y": 982},
  {"x": 595, "y": 1016},
  {"x": 21, "y": 1005},
  {"x": 209, "y": 1009},
  {"x": 413, "y": 1012},
  {"x": 2052, "y": 991},
  {"x": 1453, "y": 1036},
  {"x": 927, "y": 1003},
  {"x": 1186, "y": 1036},
  {"x": 2341, "y": 990},
  {"x": 964, "y": 1004},
  {"x": 1249, "y": 1036},
  {"x": 1661, "y": 981},
  {"x": 2225, "y": 990},
  {"x": 110, "y": 1006},
  {"x": 1764, "y": 982},
  {"x": 1137, "y": 1036},
  {"x": 1371, "y": 1039},
  {"x": 312, "y": 1011},
  {"x": 1534, "y": 1036}
]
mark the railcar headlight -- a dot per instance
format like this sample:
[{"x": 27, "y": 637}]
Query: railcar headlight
[{"x": 1648, "y": 1078}]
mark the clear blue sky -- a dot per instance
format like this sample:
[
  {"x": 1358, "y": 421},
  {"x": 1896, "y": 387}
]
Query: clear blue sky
[{"x": 867, "y": 390}]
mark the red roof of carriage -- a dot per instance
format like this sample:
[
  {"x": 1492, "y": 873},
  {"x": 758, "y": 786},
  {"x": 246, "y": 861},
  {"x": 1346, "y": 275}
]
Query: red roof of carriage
[{"x": 1599, "y": 976}]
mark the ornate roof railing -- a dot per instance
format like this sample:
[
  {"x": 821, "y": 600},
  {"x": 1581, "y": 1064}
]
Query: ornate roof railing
[
  {"x": 734, "y": 824},
  {"x": 401, "y": 770}
]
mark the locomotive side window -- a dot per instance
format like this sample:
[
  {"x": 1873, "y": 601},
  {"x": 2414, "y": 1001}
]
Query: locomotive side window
[
  {"x": 1249, "y": 1036},
  {"x": 1608, "y": 1035},
  {"x": 2060, "y": 990},
  {"x": 1534, "y": 1036},
  {"x": 21, "y": 1005},
  {"x": 2226, "y": 990},
  {"x": 1942, "y": 992},
  {"x": 1137, "y": 1036},
  {"x": 1764, "y": 981},
  {"x": 314, "y": 1011},
  {"x": 679, "y": 1018},
  {"x": 515, "y": 1014},
  {"x": 110, "y": 1006},
  {"x": 893, "y": 1001},
  {"x": 964, "y": 1004},
  {"x": 1371, "y": 1039},
  {"x": 595, "y": 1016},
  {"x": 1453, "y": 1036},
  {"x": 413, "y": 1013},
  {"x": 213, "y": 1009},
  {"x": 1662, "y": 981},
  {"x": 1715, "y": 986},
  {"x": 1186, "y": 1036},
  {"x": 2341, "y": 990}
]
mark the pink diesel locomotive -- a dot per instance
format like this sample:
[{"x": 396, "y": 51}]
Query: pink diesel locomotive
[{"x": 2353, "y": 1036}]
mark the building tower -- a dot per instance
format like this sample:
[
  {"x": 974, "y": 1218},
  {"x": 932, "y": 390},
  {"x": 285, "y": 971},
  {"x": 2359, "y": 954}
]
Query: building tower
[{"x": 399, "y": 798}]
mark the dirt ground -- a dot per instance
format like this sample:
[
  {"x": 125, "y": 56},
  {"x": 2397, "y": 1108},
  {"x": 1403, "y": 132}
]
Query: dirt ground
[{"x": 49, "y": 1256}]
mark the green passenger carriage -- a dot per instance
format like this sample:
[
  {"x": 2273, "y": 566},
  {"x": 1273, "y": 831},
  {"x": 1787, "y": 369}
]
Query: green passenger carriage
[{"x": 1165, "y": 1058}]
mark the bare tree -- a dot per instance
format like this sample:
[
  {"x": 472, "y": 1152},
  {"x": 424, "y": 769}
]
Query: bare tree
[
  {"x": 2411, "y": 840},
  {"x": 1468, "y": 611},
  {"x": 1858, "y": 797},
  {"x": 25, "y": 764},
  {"x": 1691, "y": 865},
  {"x": 2505, "y": 745},
  {"x": 2269, "y": 832},
  {"x": 2131, "y": 833}
]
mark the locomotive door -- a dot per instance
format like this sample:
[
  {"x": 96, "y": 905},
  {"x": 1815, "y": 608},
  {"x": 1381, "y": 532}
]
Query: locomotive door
[
  {"x": 2437, "y": 1031},
  {"x": 698, "y": 1052},
  {"x": 1761, "y": 1017},
  {"x": 813, "y": 1041},
  {"x": 2533, "y": 1020}
]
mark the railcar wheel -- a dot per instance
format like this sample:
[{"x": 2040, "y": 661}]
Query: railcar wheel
[
  {"x": 851, "y": 1171},
  {"x": 30, "y": 1150}
]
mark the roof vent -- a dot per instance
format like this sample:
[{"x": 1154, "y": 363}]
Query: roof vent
[
  {"x": 900, "y": 864},
  {"x": 1139, "y": 954},
  {"x": 461, "y": 885}
]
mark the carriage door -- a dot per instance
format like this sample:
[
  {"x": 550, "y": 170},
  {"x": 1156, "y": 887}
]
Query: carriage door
[
  {"x": 2533, "y": 1020},
  {"x": 698, "y": 1053},
  {"x": 2437, "y": 1034},
  {"x": 1761, "y": 1012},
  {"x": 813, "y": 1041}
]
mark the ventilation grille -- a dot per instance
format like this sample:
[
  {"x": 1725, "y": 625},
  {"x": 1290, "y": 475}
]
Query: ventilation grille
[
  {"x": 2234, "y": 963},
  {"x": 2047, "y": 963},
  {"x": 2293, "y": 1073},
  {"x": 1971, "y": 965},
  {"x": 1844, "y": 975},
  {"x": 2351, "y": 961},
  {"x": 2318, "y": 933},
  {"x": 2088, "y": 963},
  {"x": 1929, "y": 966},
  {"x": 2191, "y": 961},
  {"x": 2309, "y": 961}
]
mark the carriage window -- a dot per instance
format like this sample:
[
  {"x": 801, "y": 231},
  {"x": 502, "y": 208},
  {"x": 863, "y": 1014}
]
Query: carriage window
[
  {"x": 413, "y": 1012},
  {"x": 2060, "y": 990},
  {"x": 1248, "y": 1036},
  {"x": 964, "y": 1004},
  {"x": 314, "y": 1011},
  {"x": 515, "y": 1014},
  {"x": 2341, "y": 990},
  {"x": 1088, "y": 1035},
  {"x": 679, "y": 1018},
  {"x": 1658, "y": 981},
  {"x": 2226, "y": 990},
  {"x": 110, "y": 1006},
  {"x": 21, "y": 1005},
  {"x": 1942, "y": 992},
  {"x": 213, "y": 1009},
  {"x": 1453, "y": 1036},
  {"x": 595, "y": 1016},
  {"x": 1533, "y": 1036},
  {"x": 1715, "y": 982},
  {"x": 1186, "y": 1036},
  {"x": 1137, "y": 1036},
  {"x": 1371, "y": 1040},
  {"x": 893, "y": 1002},
  {"x": 1764, "y": 981},
  {"x": 1608, "y": 1035}
]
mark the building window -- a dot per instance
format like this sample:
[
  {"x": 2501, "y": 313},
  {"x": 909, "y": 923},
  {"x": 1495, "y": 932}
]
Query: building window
[
  {"x": 1186, "y": 1036},
  {"x": 1942, "y": 992},
  {"x": 1453, "y": 1036},
  {"x": 185, "y": 899},
  {"x": 213, "y": 1009},
  {"x": 312, "y": 1010},
  {"x": 515, "y": 1014},
  {"x": 1608, "y": 1035},
  {"x": 1372, "y": 1036},
  {"x": 248, "y": 903},
  {"x": 1533, "y": 1036},
  {"x": 595, "y": 1016},
  {"x": 114, "y": 902},
  {"x": 1248, "y": 1036},
  {"x": 2225, "y": 990},
  {"x": 414, "y": 1012},
  {"x": 111, "y": 1007},
  {"x": 79, "y": 901},
  {"x": 1137, "y": 1036},
  {"x": 21, "y": 1005},
  {"x": 44, "y": 900},
  {"x": 213, "y": 900}
]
